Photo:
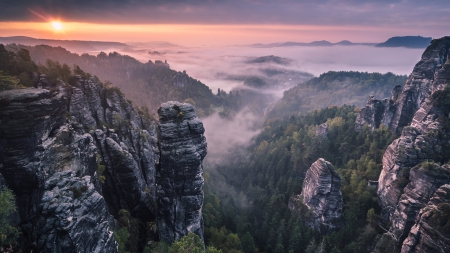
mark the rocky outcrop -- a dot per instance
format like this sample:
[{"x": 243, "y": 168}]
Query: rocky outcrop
[
  {"x": 412, "y": 165},
  {"x": 180, "y": 79},
  {"x": 321, "y": 194},
  {"x": 430, "y": 74},
  {"x": 377, "y": 112},
  {"x": 322, "y": 130},
  {"x": 179, "y": 177},
  {"x": 424, "y": 179},
  {"x": 427, "y": 139},
  {"x": 74, "y": 217},
  {"x": 431, "y": 231},
  {"x": 94, "y": 133}
]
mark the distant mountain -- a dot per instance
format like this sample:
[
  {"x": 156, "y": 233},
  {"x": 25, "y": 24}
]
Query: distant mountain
[
  {"x": 271, "y": 59},
  {"x": 407, "y": 41},
  {"x": 153, "y": 44},
  {"x": 321, "y": 43},
  {"x": 71, "y": 45}
]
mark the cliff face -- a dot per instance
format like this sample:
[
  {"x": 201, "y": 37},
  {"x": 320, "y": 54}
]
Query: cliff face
[
  {"x": 76, "y": 155},
  {"x": 322, "y": 196},
  {"x": 429, "y": 75},
  {"x": 180, "y": 174},
  {"x": 431, "y": 231},
  {"x": 416, "y": 165},
  {"x": 427, "y": 139}
]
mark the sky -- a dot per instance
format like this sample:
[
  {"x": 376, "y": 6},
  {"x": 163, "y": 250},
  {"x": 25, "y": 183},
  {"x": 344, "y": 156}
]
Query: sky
[{"x": 224, "y": 22}]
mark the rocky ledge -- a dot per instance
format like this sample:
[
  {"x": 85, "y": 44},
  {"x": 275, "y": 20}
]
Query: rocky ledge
[{"x": 179, "y": 177}]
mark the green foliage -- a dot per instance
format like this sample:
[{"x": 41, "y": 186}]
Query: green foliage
[
  {"x": 9, "y": 82},
  {"x": 8, "y": 233},
  {"x": 190, "y": 243},
  {"x": 16, "y": 66},
  {"x": 54, "y": 71},
  {"x": 78, "y": 191},
  {"x": 100, "y": 169},
  {"x": 121, "y": 237}
]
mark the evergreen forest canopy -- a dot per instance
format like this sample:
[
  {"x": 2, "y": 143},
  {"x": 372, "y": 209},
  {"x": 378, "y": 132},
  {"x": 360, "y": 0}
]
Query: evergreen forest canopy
[{"x": 274, "y": 172}]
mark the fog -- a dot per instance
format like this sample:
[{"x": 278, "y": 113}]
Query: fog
[
  {"x": 225, "y": 134},
  {"x": 204, "y": 63},
  {"x": 218, "y": 67},
  {"x": 227, "y": 67}
]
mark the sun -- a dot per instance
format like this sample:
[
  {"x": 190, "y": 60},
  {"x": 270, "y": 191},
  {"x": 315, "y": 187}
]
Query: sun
[{"x": 57, "y": 25}]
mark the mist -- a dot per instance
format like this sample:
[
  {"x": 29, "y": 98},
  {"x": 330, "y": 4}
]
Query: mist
[
  {"x": 204, "y": 63},
  {"x": 226, "y": 134},
  {"x": 225, "y": 68}
]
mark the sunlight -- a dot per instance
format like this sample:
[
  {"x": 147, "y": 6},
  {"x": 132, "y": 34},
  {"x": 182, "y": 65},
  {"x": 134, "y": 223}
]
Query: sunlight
[{"x": 57, "y": 25}]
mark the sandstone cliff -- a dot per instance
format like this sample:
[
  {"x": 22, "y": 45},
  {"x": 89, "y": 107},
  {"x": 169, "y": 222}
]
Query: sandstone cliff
[
  {"x": 431, "y": 231},
  {"x": 322, "y": 196},
  {"x": 416, "y": 164},
  {"x": 76, "y": 154},
  {"x": 179, "y": 177},
  {"x": 430, "y": 74}
]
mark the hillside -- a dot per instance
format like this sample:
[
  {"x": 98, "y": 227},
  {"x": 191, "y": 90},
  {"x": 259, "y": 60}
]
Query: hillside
[
  {"x": 406, "y": 41},
  {"x": 148, "y": 84},
  {"x": 334, "y": 88},
  {"x": 389, "y": 181}
]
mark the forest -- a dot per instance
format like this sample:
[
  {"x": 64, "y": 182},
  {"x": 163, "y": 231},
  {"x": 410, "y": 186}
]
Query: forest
[
  {"x": 252, "y": 214},
  {"x": 273, "y": 172}
]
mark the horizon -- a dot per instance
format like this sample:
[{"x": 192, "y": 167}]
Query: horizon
[{"x": 231, "y": 22}]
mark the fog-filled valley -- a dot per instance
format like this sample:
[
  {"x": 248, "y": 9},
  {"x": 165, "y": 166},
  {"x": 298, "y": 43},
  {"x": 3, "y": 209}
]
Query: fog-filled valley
[{"x": 298, "y": 141}]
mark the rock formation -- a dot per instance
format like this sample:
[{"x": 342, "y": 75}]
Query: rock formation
[
  {"x": 431, "y": 231},
  {"x": 427, "y": 139},
  {"x": 75, "y": 155},
  {"x": 430, "y": 74},
  {"x": 322, "y": 130},
  {"x": 424, "y": 179},
  {"x": 416, "y": 164},
  {"x": 321, "y": 194},
  {"x": 179, "y": 177},
  {"x": 180, "y": 79},
  {"x": 74, "y": 217}
]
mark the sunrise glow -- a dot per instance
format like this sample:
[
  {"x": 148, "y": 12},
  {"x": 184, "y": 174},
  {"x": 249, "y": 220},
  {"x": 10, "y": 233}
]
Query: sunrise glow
[{"x": 57, "y": 25}]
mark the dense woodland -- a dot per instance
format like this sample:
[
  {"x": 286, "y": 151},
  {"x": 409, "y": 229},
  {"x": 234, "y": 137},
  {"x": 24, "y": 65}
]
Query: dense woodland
[
  {"x": 274, "y": 172},
  {"x": 149, "y": 84},
  {"x": 335, "y": 88},
  {"x": 246, "y": 200}
]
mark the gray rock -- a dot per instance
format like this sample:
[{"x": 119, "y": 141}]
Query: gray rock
[
  {"x": 430, "y": 233},
  {"x": 179, "y": 177},
  {"x": 427, "y": 139},
  {"x": 74, "y": 217},
  {"x": 321, "y": 194},
  {"x": 424, "y": 179},
  {"x": 45, "y": 132},
  {"x": 430, "y": 74},
  {"x": 411, "y": 172},
  {"x": 322, "y": 130},
  {"x": 180, "y": 79}
]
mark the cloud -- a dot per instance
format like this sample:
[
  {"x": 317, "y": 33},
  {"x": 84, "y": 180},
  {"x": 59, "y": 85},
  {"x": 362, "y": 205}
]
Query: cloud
[{"x": 323, "y": 12}]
